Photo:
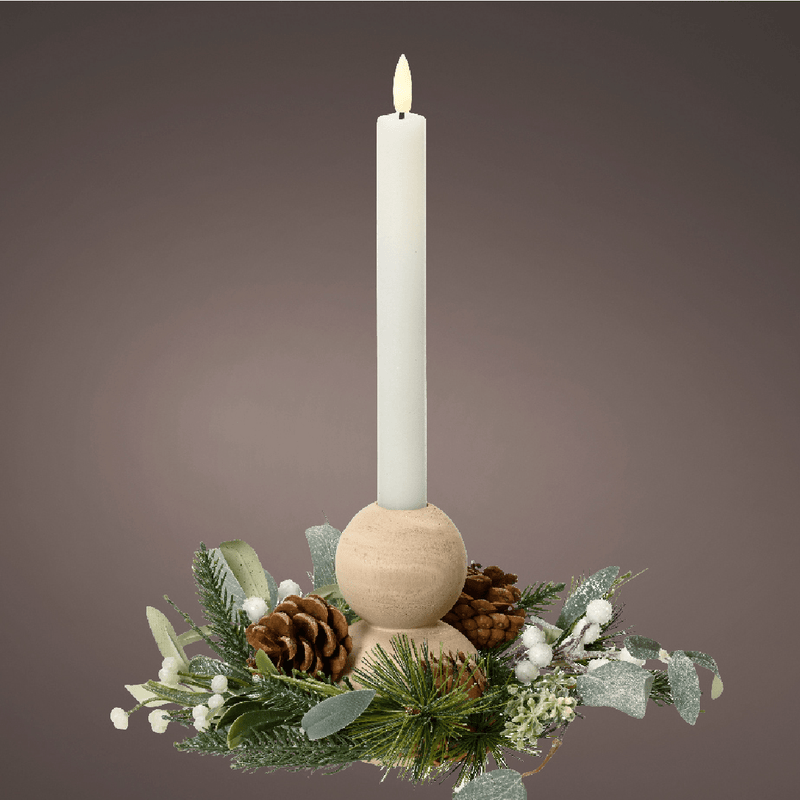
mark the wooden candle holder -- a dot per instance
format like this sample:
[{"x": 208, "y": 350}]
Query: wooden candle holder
[{"x": 401, "y": 572}]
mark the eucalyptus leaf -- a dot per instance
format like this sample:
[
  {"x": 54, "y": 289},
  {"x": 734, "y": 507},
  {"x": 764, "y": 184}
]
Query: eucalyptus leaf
[
  {"x": 192, "y": 636},
  {"x": 706, "y": 661},
  {"x": 260, "y": 720},
  {"x": 264, "y": 663},
  {"x": 246, "y": 568},
  {"x": 591, "y": 589},
  {"x": 642, "y": 647},
  {"x": 684, "y": 685},
  {"x": 499, "y": 784},
  {"x": 142, "y": 694},
  {"x": 618, "y": 684},
  {"x": 335, "y": 713},
  {"x": 165, "y": 636},
  {"x": 323, "y": 541}
]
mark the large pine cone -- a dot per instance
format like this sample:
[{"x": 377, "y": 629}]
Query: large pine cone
[
  {"x": 485, "y": 611},
  {"x": 303, "y": 633}
]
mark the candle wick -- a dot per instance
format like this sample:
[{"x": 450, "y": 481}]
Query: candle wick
[{"x": 402, "y": 114}]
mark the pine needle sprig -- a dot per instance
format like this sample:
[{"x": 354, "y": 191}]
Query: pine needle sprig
[
  {"x": 218, "y": 606},
  {"x": 660, "y": 692},
  {"x": 536, "y": 598},
  {"x": 414, "y": 723}
]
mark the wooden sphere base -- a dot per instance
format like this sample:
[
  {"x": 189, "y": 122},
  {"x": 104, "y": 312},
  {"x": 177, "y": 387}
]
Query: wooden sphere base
[{"x": 401, "y": 572}]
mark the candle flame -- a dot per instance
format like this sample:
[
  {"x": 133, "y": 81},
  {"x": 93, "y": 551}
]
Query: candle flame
[{"x": 402, "y": 86}]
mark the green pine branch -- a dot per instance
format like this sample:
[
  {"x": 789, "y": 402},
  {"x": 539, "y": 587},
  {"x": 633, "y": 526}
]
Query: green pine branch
[
  {"x": 230, "y": 641},
  {"x": 536, "y": 598}
]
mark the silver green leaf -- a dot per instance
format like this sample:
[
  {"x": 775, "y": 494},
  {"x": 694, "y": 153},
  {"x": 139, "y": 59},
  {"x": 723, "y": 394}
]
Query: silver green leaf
[
  {"x": 165, "y": 636},
  {"x": 591, "y": 589},
  {"x": 192, "y": 636},
  {"x": 246, "y": 568},
  {"x": 142, "y": 694},
  {"x": 684, "y": 685},
  {"x": 499, "y": 784},
  {"x": 273, "y": 592},
  {"x": 323, "y": 541},
  {"x": 706, "y": 661},
  {"x": 642, "y": 647},
  {"x": 618, "y": 684},
  {"x": 335, "y": 713}
]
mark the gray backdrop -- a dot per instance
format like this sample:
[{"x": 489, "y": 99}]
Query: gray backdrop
[{"x": 188, "y": 346}]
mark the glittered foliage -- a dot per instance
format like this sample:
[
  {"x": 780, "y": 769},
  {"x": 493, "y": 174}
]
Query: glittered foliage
[{"x": 619, "y": 685}]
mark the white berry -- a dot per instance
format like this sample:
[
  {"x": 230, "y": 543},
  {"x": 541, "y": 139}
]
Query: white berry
[
  {"x": 219, "y": 684},
  {"x": 255, "y": 608},
  {"x": 215, "y": 701},
  {"x": 158, "y": 720},
  {"x": 119, "y": 718},
  {"x": 525, "y": 671},
  {"x": 532, "y": 635},
  {"x": 286, "y": 588},
  {"x": 540, "y": 655},
  {"x": 599, "y": 611}
]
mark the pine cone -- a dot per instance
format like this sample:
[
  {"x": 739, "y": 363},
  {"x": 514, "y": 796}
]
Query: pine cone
[
  {"x": 303, "y": 633},
  {"x": 485, "y": 611},
  {"x": 447, "y": 670}
]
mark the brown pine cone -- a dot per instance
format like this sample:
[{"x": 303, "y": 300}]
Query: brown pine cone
[
  {"x": 303, "y": 633},
  {"x": 460, "y": 666},
  {"x": 485, "y": 611}
]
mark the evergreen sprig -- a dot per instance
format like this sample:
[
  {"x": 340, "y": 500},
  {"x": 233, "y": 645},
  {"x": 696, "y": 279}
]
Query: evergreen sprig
[
  {"x": 218, "y": 606},
  {"x": 536, "y": 598}
]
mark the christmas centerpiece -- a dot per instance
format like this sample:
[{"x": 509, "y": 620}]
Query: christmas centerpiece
[
  {"x": 403, "y": 654},
  {"x": 281, "y": 692}
]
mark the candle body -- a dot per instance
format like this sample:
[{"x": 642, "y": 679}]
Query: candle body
[{"x": 402, "y": 389}]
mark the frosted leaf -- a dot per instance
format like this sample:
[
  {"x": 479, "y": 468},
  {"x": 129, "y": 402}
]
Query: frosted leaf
[
  {"x": 322, "y": 541},
  {"x": 642, "y": 647},
  {"x": 592, "y": 588},
  {"x": 619, "y": 685},
  {"x": 499, "y": 784},
  {"x": 706, "y": 661},
  {"x": 684, "y": 685}
]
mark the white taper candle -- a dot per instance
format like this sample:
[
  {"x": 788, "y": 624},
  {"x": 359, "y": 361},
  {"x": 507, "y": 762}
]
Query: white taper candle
[{"x": 402, "y": 391}]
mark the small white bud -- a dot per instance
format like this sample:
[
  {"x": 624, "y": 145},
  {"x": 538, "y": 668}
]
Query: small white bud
[
  {"x": 158, "y": 720},
  {"x": 119, "y": 718},
  {"x": 255, "y": 608},
  {"x": 201, "y": 723},
  {"x": 664, "y": 656},
  {"x": 215, "y": 701},
  {"x": 168, "y": 677},
  {"x": 532, "y": 635},
  {"x": 599, "y": 611},
  {"x": 597, "y": 662},
  {"x": 219, "y": 684},
  {"x": 286, "y": 588},
  {"x": 525, "y": 671},
  {"x": 540, "y": 655},
  {"x": 170, "y": 663},
  {"x": 200, "y": 712}
]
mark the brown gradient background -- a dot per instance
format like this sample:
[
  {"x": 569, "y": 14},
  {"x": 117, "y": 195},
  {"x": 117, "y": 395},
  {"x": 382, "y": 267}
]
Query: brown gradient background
[{"x": 188, "y": 346}]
